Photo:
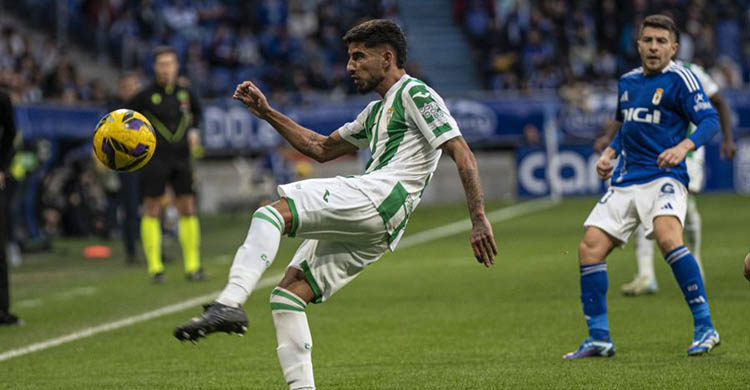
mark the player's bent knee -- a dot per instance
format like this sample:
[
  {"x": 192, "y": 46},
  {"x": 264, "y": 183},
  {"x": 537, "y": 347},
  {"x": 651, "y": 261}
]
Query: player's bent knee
[
  {"x": 285, "y": 300},
  {"x": 270, "y": 215},
  {"x": 281, "y": 208},
  {"x": 294, "y": 280},
  {"x": 594, "y": 247}
]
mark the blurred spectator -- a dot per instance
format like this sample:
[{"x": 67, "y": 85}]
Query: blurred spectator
[
  {"x": 7, "y": 138},
  {"x": 127, "y": 191},
  {"x": 220, "y": 41},
  {"x": 532, "y": 44}
]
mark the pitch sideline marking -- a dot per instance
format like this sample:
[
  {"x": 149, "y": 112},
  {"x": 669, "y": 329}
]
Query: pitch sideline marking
[{"x": 412, "y": 240}]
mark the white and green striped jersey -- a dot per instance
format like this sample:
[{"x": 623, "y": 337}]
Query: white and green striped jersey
[{"x": 404, "y": 131}]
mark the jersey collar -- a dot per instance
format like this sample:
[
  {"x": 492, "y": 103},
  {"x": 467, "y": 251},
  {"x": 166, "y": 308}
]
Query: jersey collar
[
  {"x": 669, "y": 65},
  {"x": 396, "y": 86}
]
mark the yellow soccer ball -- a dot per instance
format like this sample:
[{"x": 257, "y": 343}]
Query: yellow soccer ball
[{"x": 124, "y": 140}]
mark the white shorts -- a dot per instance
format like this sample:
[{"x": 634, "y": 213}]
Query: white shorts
[
  {"x": 696, "y": 168},
  {"x": 621, "y": 209},
  {"x": 343, "y": 230}
]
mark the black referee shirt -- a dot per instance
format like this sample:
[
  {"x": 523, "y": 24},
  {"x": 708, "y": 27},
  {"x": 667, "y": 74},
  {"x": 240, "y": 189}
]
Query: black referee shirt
[{"x": 171, "y": 111}]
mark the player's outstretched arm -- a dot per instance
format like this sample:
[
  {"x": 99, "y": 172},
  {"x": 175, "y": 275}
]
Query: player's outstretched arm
[
  {"x": 316, "y": 146},
  {"x": 482, "y": 238}
]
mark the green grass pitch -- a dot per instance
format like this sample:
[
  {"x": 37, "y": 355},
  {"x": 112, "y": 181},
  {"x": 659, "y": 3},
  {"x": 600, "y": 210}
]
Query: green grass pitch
[{"x": 424, "y": 317}]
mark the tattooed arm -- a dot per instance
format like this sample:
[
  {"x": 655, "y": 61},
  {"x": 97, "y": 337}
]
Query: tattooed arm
[
  {"x": 482, "y": 238},
  {"x": 316, "y": 146}
]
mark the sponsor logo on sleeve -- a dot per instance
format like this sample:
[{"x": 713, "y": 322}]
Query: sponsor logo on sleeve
[{"x": 700, "y": 102}]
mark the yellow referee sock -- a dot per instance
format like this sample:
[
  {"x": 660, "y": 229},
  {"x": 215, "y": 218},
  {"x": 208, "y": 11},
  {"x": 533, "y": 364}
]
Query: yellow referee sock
[
  {"x": 190, "y": 240},
  {"x": 151, "y": 239}
]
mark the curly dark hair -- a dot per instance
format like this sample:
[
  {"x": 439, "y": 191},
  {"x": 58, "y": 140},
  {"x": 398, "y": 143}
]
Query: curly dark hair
[{"x": 378, "y": 32}]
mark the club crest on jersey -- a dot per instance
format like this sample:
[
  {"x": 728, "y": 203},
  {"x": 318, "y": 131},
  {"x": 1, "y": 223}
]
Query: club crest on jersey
[
  {"x": 657, "y": 96},
  {"x": 389, "y": 114}
]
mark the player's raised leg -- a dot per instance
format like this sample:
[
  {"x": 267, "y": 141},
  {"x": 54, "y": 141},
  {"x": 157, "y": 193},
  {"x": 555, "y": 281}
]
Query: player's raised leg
[
  {"x": 668, "y": 233},
  {"x": 645, "y": 280},
  {"x": 593, "y": 249},
  {"x": 252, "y": 259},
  {"x": 257, "y": 252},
  {"x": 288, "y": 302}
]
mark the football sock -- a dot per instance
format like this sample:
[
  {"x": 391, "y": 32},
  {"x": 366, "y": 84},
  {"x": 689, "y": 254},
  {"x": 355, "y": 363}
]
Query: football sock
[
  {"x": 151, "y": 239},
  {"x": 693, "y": 230},
  {"x": 294, "y": 339},
  {"x": 594, "y": 285},
  {"x": 644, "y": 254},
  {"x": 688, "y": 275},
  {"x": 254, "y": 256},
  {"x": 190, "y": 240}
]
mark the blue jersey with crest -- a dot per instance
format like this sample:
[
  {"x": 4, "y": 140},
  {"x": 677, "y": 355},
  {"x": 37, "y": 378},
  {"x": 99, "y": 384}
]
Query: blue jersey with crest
[{"x": 655, "y": 111}]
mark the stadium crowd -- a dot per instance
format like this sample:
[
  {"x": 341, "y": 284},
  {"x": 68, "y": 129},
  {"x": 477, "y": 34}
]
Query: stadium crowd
[
  {"x": 288, "y": 46},
  {"x": 32, "y": 71},
  {"x": 522, "y": 44}
]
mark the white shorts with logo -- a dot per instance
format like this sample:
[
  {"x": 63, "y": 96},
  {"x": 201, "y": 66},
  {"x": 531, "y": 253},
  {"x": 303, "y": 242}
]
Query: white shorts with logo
[
  {"x": 621, "y": 209},
  {"x": 342, "y": 229}
]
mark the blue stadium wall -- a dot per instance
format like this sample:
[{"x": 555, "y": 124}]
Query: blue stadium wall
[{"x": 228, "y": 129}]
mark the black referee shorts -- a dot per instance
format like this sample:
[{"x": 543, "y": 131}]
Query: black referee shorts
[{"x": 178, "y": 173}]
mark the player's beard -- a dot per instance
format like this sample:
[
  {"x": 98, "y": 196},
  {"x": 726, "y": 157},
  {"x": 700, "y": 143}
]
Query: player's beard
[{"x": 365, "y": 87}]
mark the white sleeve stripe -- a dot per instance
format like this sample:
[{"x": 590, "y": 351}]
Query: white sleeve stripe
[
  {"x": 674, "y": 69},
  {"x": 682, "y": 76},
  {"x": 686, "y": 78},
  {"x": 691, "y": 76}
]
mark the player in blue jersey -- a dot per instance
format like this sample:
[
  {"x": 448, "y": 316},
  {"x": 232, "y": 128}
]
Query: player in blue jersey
[{"x": 656, "y": 103}]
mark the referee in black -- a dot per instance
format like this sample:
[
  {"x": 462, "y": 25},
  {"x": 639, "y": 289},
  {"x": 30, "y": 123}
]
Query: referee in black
[
  {"x": 174, "y": 111},
  {"x": 7, "y": 137}
]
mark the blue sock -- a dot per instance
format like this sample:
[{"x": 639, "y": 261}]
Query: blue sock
[
  {"x": 688, "y": 275},
  {"x": 594, "y": 285}
]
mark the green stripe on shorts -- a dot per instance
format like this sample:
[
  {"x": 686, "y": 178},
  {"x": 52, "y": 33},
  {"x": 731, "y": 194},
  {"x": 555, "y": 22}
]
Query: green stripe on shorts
[
  {"x": 295, "y": 217},
  {"x": 311, "y": 280}
]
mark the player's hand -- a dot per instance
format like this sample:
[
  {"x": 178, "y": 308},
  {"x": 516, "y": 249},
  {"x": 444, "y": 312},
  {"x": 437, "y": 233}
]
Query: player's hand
[
  {"x": 746, "y": 268},
  {"x": 483, "y": 241},
  {"x": 728, "y": 149},
  {"x": 249, "y": 94},
  {"x": 604, "y": 167},
  {"x": 672, "y": 156},
  {"x": 601, "y": 143}
]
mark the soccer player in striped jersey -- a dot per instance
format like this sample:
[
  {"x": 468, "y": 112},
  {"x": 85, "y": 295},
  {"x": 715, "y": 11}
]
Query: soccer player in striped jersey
[
  {"x": 348, "y": 222},
  {"x": 656, "y": 103},
  {"x": 645, "y": 280}
]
